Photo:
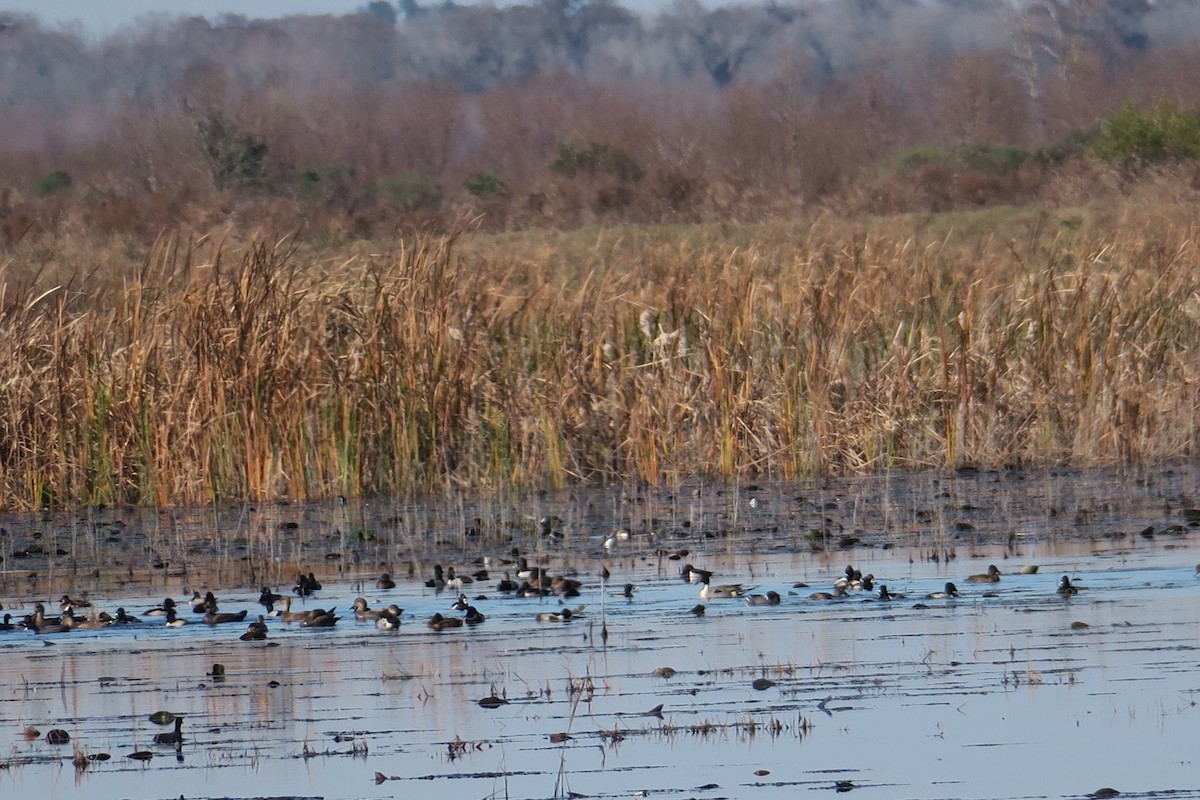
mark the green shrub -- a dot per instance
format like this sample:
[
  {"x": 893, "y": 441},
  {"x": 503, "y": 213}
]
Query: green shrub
[
  {"x": 484, "y": 184},
  {"x": 596, "y": 158},
  {"x": 410, "y": 191},
  {"x": 236, "y": 158},
  {"x": 1133, "y": 137},
  {"x": 323, "y": 182},
  {"x": 52, "y": 183}
]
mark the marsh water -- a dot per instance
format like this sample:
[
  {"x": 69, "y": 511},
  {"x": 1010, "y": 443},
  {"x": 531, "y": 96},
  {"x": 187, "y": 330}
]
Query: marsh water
[{"x": 1011, "y": 690}]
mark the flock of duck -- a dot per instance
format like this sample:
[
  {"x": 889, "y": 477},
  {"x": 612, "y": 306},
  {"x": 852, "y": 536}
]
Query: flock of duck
[
  {"x": 534, "y": 582},
  {"x": 852, "y": 581},
  {"x": 531, "y": 581}
]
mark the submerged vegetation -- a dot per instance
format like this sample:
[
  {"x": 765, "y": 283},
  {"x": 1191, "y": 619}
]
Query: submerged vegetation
[{"x": 226, "y": 371}]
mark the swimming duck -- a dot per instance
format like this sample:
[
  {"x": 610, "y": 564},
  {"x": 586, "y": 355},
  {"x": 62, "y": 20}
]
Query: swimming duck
[
  {"x": 507, "y": 585},
  {"x": 92, "y": 623},
  {"x": 66, "y": 602},
  {"x": 389, "y": 618},
  {"x": 555, "y": 616},
  {"x": 287, "y": 615},
  {"x": 710, "y": 592},
  {"x": 326, "y": 619},
  {"x": 565, "y": 587},
  {"x": 160, "y": 611},
  {"x": 1066, "y": 588},
  {"x": 174, "y": 737},
  {"x": 628, "y": 591},
  {"x": 438, "y": 581},
  {"x": 256, "y": 631},
  {"x": 991, "y": 576},
  {"x": 461, "y": 604},
  {"x": 364, "y": 613},
  {"x": 306, "y": 584},
  {"x": 473, "y": 617},
  {"x": 693, "y": 575},
  {"x": 771, "y": 598},
  {"x": 124, "y": 618},
  {"x": 66, "y": 624},
  {"x": 174, "y": 621},
  {"x": 214, "y": 617},
  {"x": 267, "y": 599},
  {"x": 837, "y": 593},
  {"x": 950, "y": 591},
  {"x": 200, "y": 604},
  {"x": 884, "y": 594},
  {"x": 8, "y": 624},
  {"x": 385, "y": 582},
  {"x": 440, "y": 623}
]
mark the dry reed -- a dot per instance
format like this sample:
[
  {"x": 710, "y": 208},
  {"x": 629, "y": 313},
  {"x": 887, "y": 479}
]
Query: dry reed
[{"x": 225, "y": 372}]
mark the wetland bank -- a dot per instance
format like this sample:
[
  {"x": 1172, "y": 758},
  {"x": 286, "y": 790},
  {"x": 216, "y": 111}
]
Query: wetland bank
[{"x": 1009, "y": 690}]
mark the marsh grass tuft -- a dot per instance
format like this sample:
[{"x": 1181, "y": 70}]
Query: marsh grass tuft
[{"x": 218, "y": 371}]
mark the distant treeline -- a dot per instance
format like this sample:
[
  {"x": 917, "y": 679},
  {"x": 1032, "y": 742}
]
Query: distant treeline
[{"x": 562, "y": 112}]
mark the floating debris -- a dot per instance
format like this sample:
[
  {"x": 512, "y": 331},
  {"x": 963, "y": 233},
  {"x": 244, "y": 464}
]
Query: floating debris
[
  {"x": 162, "y": 717},
  {"x": 492, "y": 702},
  {"x": 761, "y": 684},
  {"x": 58, "y": 736}
]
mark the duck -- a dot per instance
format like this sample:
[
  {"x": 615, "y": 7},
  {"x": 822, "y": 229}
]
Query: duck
[
  {"x": 461, "y": 604},
  {"x": 1066, "y": 588},
  {"x": 440, "y": 623},
  {"x": 93, "y": 623},
  {"x": 125, "y": 618},
  {"x": 66, "y": 625},
  {"x": 473, "y": 617},
  {"x": 66, "y": 602},
  {"x": 991, "y": 576},
  {"x": 837, "y": 593},
  {"x": 389, "y": 618},
  {"x": 454, "y": 582},
  {"x": 385, "y": 582},
  {"x": 507, "y": 585},
  {"x": 8, "y": 624},
  {"x": 160, "y": 611},
  {"x": 306, "y": 584},
  {"x": 267, "y": 599},
  {"x": 287, "y": 615},
  {"x": 722, "y": 590},
  {"x": 256, "y": 631},
  {"x": 694, "y": 575},
  {"x": 363, "y": 612},
  {"x": 174, "y": 737},
  {"x": 174, "y": 621},
  {"x": 214, "y": 617},
  {"x": 555, "y": 616},
  {"x": 948, "y": 592},
  {"x": 628, "y": 591},
  {"x": 884, "y": 594},
  {"x": 565, "y": 587},
  {"x": 771, "y": 598},
  {"x": 200, "y": 604},
  {"x": 438, "y": 581},
  {"x": 326, "y": 619}
]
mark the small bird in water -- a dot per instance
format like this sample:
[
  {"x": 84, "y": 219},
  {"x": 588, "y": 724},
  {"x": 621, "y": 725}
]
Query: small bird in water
[
  {"x": 256, "y": 632},
  {"x": 440, "y": 623},
  {"x": 771, "y": 598},
  {"x": 991, "y": 576},
  {"x": 174, "y": 737},
  {"x": 950, "y": 591},
  {"x": 1066, "y": 588}
]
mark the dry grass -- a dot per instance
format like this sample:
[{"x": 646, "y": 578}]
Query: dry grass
[{"x": 223, "y": 371}]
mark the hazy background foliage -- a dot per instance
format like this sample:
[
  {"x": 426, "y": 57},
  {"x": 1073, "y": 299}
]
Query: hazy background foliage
[{"x": 407, "y": 116}]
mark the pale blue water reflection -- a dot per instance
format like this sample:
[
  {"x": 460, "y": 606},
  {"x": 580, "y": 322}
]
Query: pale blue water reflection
[{"x": 1009, "y": 691}]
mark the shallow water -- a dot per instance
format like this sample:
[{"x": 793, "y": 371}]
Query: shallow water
[{"x": 1001, "y": 693}]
